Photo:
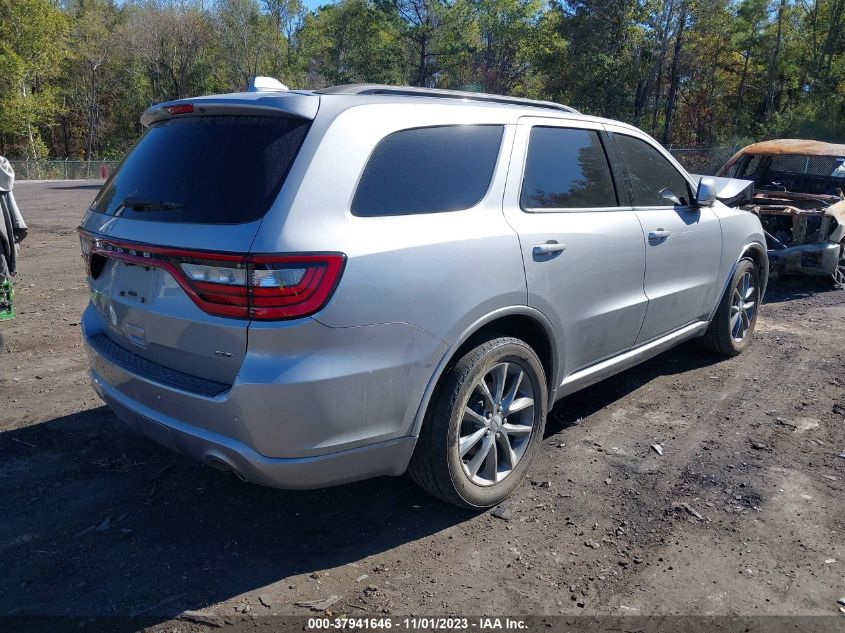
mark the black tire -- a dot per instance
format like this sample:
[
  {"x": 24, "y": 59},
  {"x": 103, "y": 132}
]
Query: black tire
[
  {"x": 719, "y": 337},
  {"x": 437, "y": 467}
]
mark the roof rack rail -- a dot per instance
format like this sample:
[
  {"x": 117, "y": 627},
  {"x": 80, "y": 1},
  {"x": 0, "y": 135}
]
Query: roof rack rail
[{"x": 412, "y": 91}]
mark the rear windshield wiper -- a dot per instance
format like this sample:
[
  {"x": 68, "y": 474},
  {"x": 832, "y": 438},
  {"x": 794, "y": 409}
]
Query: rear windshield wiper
[{"x": 147, "y": 205}]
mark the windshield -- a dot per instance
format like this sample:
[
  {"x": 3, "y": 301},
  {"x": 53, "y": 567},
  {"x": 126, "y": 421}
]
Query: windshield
[{"x": 204, "y": 170}]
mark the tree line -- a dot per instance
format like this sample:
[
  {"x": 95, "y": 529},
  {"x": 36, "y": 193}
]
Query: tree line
[{"x": 75, "y": 75}]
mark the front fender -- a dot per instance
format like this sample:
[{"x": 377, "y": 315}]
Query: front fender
[{"x": 753, "y": 250}]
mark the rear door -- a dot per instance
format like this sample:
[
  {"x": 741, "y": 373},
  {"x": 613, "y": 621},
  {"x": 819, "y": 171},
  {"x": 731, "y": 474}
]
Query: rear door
[
  {"x": 582, "y": 248},
  {"x": 683, "y": 241},
  {"x": 201, "y": 183}
]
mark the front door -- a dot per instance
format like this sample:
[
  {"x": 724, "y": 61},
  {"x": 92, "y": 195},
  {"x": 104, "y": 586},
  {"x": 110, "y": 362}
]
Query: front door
[{"x": 683, "y": 241}]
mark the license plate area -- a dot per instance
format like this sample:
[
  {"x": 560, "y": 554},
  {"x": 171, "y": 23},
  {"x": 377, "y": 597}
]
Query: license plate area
[{"x": 133, "y": 284}]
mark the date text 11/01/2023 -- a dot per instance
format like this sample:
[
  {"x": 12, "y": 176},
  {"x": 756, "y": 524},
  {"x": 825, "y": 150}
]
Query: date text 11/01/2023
[{"x": 418, "y": 623}]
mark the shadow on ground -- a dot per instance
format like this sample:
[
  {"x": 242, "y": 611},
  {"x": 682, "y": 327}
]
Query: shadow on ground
[
  {"x": 572, "y": 409},
  {"x": 99, "y": 521},
  {"x": 794, "y": 287},
  {"x": 95, "y": 187}
]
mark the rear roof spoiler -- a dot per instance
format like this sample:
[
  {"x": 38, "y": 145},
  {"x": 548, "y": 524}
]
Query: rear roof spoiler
[{"x": 264, "y": 103}]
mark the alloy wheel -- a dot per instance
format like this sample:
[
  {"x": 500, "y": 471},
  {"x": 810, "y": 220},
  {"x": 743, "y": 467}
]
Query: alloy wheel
[
  {"x": 743, "y": 306},
  {"x": 839, "y": 274},
  {"x": 497, "y": 424}
]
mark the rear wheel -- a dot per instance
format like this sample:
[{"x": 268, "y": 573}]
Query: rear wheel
[
  {"x": 484, "y": 425},
  {"x": 732, "y": 327}
]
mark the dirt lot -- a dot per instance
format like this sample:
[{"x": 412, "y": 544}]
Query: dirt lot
[{"x": 96, "y": 520}]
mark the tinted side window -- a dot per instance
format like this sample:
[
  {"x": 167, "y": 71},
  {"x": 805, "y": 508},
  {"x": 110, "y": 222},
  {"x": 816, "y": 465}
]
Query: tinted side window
[
  {"x": 428, "y": 170},
  {"x": 653, "y": 178},
  {"x": 566, "y": 168}
]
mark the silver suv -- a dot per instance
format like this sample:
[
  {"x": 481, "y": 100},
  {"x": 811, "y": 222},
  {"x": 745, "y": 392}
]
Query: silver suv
[{"x": 308, "y": 288}]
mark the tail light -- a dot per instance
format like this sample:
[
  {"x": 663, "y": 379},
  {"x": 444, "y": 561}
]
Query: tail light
[{"x": 265, "y": 287}]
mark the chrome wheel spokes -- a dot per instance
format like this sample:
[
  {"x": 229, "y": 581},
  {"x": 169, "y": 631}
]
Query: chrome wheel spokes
[
  {"x": 839, "y": 274},
  {"x": 497, "y": 424},
  {"x": 743, "y": 306}
]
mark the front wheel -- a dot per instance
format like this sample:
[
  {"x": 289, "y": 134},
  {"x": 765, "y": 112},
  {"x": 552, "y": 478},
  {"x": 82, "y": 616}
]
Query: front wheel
[
  {"x": 839, "y": 275},
  {"x": 732, "y": 326},
  {"x": 484, "y": 425}
]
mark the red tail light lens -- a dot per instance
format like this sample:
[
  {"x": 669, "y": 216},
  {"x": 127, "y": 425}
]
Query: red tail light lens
[{"x": 264, "y": 287}]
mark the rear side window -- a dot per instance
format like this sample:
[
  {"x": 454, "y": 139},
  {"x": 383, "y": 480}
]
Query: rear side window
[
  {"x": 566, "y": 168},
  {"x": 810, "y": 165},
  {"x": 204, "y": 170},
  {"x": 654, "y": 180},
  {"x": 746, "y": 167},
  {"x": 428, "y": 170}
]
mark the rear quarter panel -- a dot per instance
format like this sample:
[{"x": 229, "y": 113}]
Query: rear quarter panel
[
  {"x": 439, "y": 272},
  {"x": 436, "y": 273}
]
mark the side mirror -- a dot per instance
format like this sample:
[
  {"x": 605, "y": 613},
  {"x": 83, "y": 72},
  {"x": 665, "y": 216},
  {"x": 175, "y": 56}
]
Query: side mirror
[{"x": 706, "y": 194}]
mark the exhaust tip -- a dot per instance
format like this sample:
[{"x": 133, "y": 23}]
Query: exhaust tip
[{"x": 220, "y": 464}]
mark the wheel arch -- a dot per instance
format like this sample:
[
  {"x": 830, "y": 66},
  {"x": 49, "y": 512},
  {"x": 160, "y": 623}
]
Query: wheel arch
[
  {"x": 756, "y": 252},
  {"x": 521, "y": 322}
]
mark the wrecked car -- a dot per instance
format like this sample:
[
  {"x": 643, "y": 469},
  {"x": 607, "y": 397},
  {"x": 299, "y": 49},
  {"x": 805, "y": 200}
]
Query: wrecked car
[{"x": 798, "y": 195}]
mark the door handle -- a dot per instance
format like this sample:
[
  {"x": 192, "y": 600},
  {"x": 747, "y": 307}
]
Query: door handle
[
  {"x": 659, "y": 234},
  {"x": 548, "y": 248}
]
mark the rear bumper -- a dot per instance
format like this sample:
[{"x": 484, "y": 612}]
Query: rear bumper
[
  {"x": 312, "y": 406},
  {"x": 224, "y": 453}
]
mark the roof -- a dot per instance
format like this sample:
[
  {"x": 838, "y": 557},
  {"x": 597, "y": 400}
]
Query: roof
[
  {"x": 793, "y": 146},
  {"x": 305, "y": 103},
  {"x": 437, "y": 93}
]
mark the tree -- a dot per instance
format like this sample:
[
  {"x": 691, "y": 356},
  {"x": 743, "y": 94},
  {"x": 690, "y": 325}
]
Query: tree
[
  {"x": 504, "y": 54},
  {"x": 172, "y": 39},
  {"x": 598, "y": 72},
  {"x": 32, "y": 45},
  {"x": 76, "y": 74},
  {"x": 90, "y": 70},
  {"x": 674, "y": 78},
  {"x": 348, "y": 42},
  {"x": 247, "y": 41},
  {"x": 287, "y": 17}
]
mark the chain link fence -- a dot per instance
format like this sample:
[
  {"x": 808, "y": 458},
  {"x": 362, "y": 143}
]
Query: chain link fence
[
  {"x": 705, "y": 161},
  {"x": 63, "y": 169}
]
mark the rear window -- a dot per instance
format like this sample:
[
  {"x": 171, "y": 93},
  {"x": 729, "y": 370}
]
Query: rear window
[
  {"x": 204, "y": 170},
  {"x": 428, "y": 170},
  {"x": 809, "y": 165},
  {"x": 566, "y": 168}
]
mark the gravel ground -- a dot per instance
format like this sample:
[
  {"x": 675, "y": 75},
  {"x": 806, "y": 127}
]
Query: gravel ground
[{"x": 741, "y": 515}]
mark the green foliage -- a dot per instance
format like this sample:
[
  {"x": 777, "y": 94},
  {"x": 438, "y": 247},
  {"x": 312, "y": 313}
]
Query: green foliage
[
  {"x": 32, "y": 45},
  {"x": 348, "y": 42},
  {"x": 76, "y": 74}
]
